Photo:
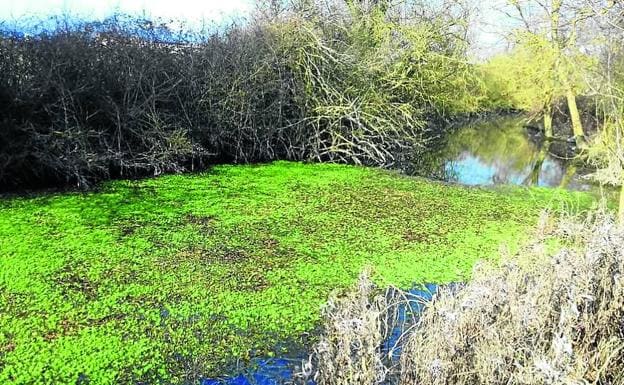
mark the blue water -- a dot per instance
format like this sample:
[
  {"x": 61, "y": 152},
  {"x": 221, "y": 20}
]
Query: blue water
[
  {"x": 282, "y": 371},
  {"x": 275, "y": 371},
  {"x": 470, "y": 170},
  {"x": 502, "y": 151}
]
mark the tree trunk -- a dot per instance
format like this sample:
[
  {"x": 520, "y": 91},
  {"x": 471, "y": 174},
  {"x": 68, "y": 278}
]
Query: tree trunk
[{"x": 577, "y": 126}]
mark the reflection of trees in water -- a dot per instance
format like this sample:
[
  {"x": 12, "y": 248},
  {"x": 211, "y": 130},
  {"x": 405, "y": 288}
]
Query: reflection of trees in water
[
  {"x": 501, "y": 141},
  {"x": 501, "y": 146},
  {"x": 502, "y": 150},
  {"x": 559, "y": 153},
  {"x": 533, "y": 178},
  {"x": 570, "y": 172}
]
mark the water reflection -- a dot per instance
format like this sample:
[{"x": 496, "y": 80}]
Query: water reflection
[{"x": 502, "y": 151}]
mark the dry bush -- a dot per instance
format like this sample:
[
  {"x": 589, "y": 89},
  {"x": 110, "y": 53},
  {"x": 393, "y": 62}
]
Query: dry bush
[
  {"x": 351, "y": 349},
  {"x": 364, "y": 332},
  {"x": 553, "y": 314},
  {"x": 127, "y": 97}
]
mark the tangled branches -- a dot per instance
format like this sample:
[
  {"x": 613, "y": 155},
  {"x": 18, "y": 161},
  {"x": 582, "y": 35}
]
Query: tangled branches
[{"x": 129, "y": 97}]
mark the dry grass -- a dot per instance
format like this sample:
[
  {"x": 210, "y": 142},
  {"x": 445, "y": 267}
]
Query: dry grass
[
  {"x": 360, "y": 343},
  {"x": 553, "y": 314}
]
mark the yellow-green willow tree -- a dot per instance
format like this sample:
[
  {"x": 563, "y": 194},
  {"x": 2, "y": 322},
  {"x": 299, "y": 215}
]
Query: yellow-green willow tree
[
  {"x": 523, "y": 78},
  {"x": 549, "y": 37}
]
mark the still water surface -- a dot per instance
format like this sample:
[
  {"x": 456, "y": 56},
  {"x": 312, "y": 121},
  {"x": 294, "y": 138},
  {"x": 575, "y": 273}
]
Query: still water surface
[{"x": 503, "y": 151}]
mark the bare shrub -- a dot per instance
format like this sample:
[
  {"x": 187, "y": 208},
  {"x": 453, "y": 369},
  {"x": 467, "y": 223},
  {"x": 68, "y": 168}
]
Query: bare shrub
[
  {"x": 351, "y": 350},
  {"x": 553, "y": 314},
  {"x": 364, "y": 332},
  {"x": 130, "y": 97}
]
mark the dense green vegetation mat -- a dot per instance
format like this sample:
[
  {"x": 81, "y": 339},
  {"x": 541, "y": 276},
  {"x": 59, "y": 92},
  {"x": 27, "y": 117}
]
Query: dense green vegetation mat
[{"x": 165, "y": 277}]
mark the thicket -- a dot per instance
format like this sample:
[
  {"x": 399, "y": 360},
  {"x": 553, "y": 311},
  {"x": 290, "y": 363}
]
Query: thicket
[
  {"x": 354, "y": 82},
  {"x": 550, "y": 315}
]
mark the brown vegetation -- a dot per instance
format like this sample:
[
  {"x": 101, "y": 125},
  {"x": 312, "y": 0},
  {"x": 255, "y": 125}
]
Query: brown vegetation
[
  {"x": 129, "y": 97},
  {"x": 550, "y": 315}
]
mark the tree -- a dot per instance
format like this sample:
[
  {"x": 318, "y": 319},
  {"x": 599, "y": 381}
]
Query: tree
[
  {"x": 549, "y": 28},
  {"x": 524, "y": 78},
  {"x": 607, "y": 151}
]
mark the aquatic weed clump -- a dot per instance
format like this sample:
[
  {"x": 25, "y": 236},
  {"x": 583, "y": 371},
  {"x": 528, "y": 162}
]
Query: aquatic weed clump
[{"x": 551, "y": 314}]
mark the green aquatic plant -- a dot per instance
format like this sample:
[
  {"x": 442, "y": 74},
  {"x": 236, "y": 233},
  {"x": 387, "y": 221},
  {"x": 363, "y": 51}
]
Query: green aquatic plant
[{"x": 172, "y": 278}]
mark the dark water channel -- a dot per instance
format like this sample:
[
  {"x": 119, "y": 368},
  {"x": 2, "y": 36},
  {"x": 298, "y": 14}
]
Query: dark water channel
[
  {"x": 288, "y": 370},
  {"x": 489, "y": 152}
]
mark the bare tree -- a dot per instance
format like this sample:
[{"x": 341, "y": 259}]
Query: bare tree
[{"x": 608, "y": 150}]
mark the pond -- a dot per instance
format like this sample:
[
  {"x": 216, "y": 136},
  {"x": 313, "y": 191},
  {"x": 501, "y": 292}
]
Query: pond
[
  {"x": 503, "y": 151},
  {"x": 488, "y": 152}
]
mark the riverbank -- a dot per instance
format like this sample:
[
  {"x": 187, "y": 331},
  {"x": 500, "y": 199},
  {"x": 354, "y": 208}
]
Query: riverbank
[
  {"x": 180, "y": 276},
  {"x": 550, "y": 313}
]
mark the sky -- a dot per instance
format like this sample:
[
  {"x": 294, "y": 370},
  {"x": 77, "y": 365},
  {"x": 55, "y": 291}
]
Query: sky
[
  {"x": 487, "y": 34},
  {"x": 491, "y": 28},
  {"x": 192, "y": 11}
]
